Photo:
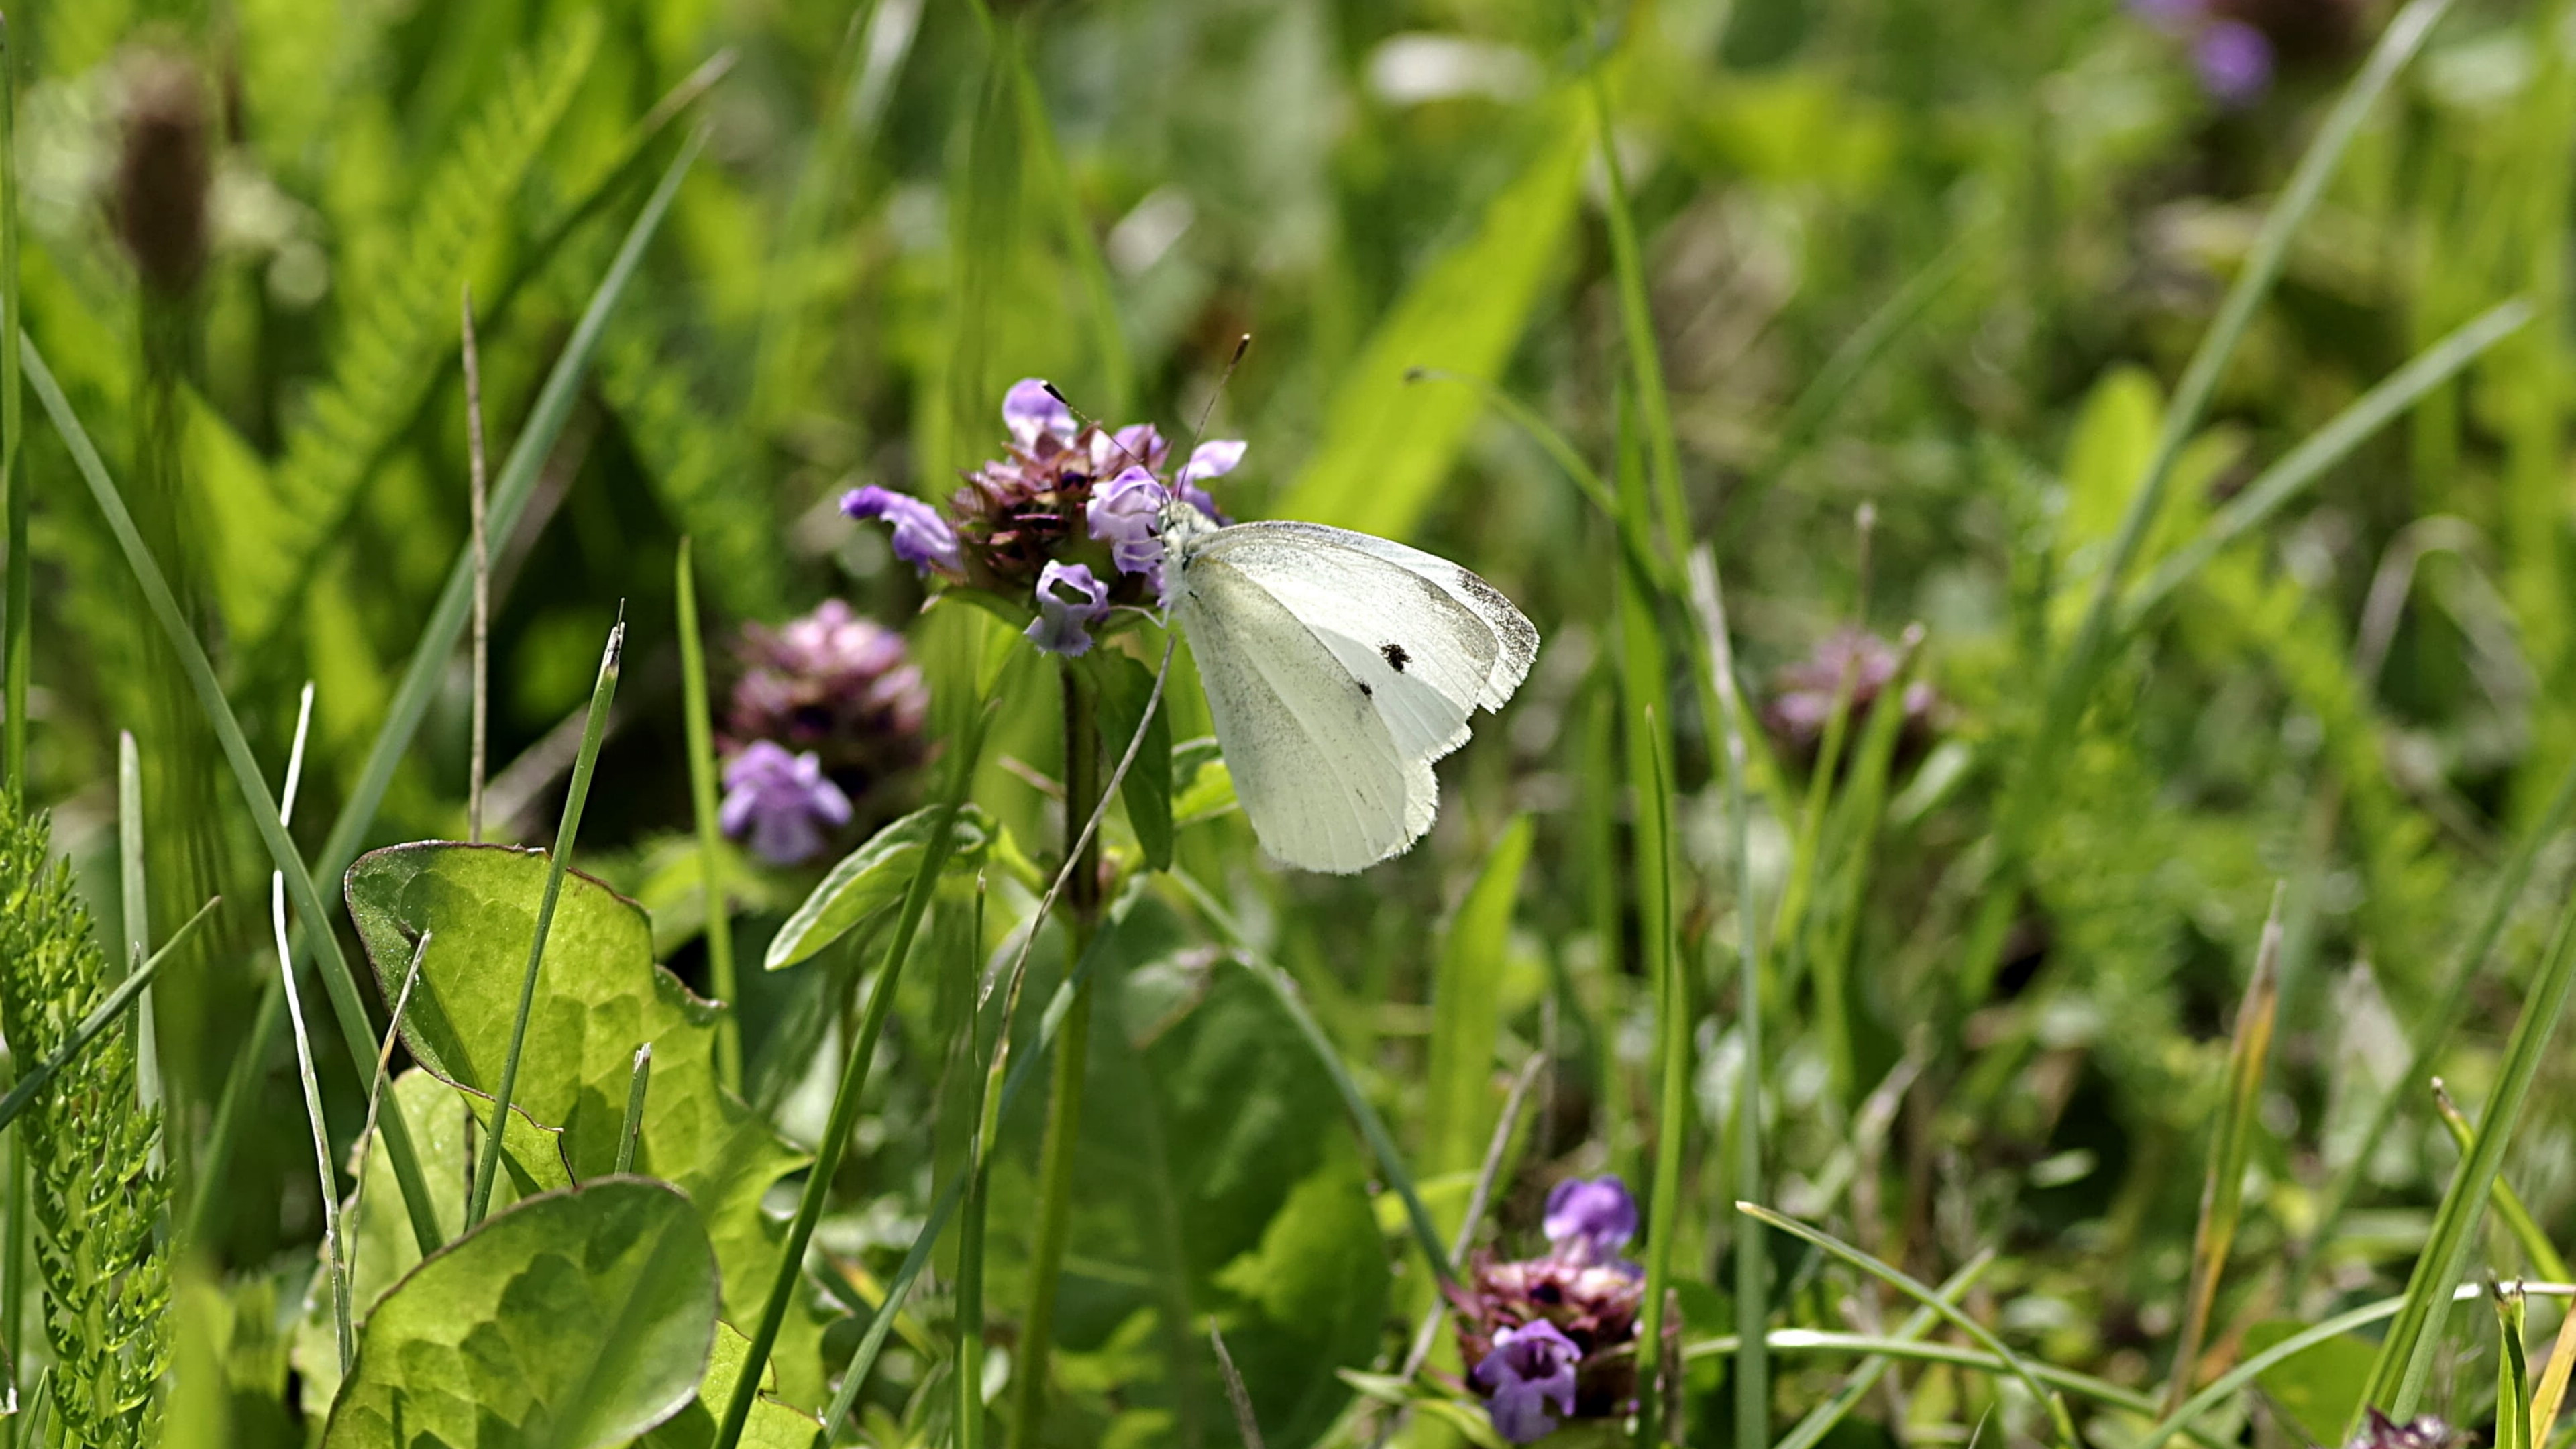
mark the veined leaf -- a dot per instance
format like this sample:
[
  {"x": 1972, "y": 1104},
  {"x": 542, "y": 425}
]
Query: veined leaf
[
  {"x": 599, "y": 996},
  {"x": 577, "y": 1319},
  {"x": 1387, "y": 446},
  {"x": 393, "y": 350}
]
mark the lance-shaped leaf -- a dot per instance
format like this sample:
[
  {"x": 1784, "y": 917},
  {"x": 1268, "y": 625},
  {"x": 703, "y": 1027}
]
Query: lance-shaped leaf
[
  {"x": 872, "y": 879},
  {"x": 577, "y": 1319},
  {"x": 599, "y": 997}
]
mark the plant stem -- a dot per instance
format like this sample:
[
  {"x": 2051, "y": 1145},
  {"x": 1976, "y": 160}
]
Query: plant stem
[
  {"x": 332, "y": 1243},
  {"x": 1072, "y": 1061},
  {"x": 134, "y": 905},
  {"x": 702, "y": 798},
  {"x": 593, "y": 726},
  {"x": 481, "y": 546},
  {"x": 20, "y": 622}
]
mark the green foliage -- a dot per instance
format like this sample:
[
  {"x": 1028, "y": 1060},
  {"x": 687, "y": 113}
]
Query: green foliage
[
  {"x": 95, "y": 1192},
  {"x": 581, "y": 1318}
]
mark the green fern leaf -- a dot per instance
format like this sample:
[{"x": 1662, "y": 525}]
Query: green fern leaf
[
  {"x": 696, "y": 467},
  {"x": 397, "y": 347}
]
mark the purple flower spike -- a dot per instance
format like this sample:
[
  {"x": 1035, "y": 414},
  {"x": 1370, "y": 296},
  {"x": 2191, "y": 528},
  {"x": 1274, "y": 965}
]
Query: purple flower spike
[
  {"x": 1070, "y": 601},
  {"x": 1123, "y": 514},
  {"x": 922, "y": 538},
  {"x": 1530, "y": 1371},
  {"x": 782, "y": 800},
  {"x": 2235, "y": 62},
  {"x": 1588, "y": 1222},
  {"x": 1032, "y": 412},
  {"x": 1133, "y": 446}
]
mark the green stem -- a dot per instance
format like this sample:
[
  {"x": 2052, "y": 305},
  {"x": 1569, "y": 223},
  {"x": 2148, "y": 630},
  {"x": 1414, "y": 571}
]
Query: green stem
[
  {"x": 1672, "y": 1019},
  {"x": 702, "y": 799},
  {"x": 1072, "y": 1062},
  {"x": 21, "y": 621},
  {"x": 592, "y": 728}
]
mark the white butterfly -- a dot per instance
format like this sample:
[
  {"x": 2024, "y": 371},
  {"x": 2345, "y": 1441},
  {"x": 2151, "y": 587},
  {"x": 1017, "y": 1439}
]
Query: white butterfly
[{"x": 1338, "y": 666}]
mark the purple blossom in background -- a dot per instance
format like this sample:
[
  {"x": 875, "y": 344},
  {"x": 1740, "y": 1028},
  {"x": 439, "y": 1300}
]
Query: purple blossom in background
[
  {"x": 783, "y": 801},
  {"x": 1123, "y": 514},
  {"x": 1589, "y": 1221},
  {"x": 2234, "y": 61},
  {"x": 1530, "y": 1371},
  {"x": 1031, "y": 412},
  {"x": 922, "y": 538},
  {"x": 1070, "y": 601}
]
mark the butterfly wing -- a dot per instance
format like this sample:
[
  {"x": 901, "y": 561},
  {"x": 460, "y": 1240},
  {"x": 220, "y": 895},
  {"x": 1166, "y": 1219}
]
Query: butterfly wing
[{"x": 1317, "y": 770}]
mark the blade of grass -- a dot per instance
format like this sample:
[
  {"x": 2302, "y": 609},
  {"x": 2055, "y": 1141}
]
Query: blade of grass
[
  {"x": 702, "y": 800},
  {"x": 376, "y": 1091},
  {"x": 298, "y": 883},
  {"x": 1913, "y": 1288},
  {"x": 20, "y": 622},
  {"x": 479, "y": 543},
  {"x": 133, "y": 906},
  {"x": 2275, "y": 487},
  {"x": 854, "y": 1071},
  {"x": 1821, "y": 1419},
  {"x": 2553, "y": 1381},
  {"x": 2406, "y": 1355},
  {"x": 2222, "y": 1187},
  {"x": 1245, "y": 1425},
  {"x": 2513, "y": 1370},
  {"x": 2508, "y": 1203},
  {"x": 333, "y": 1263},
  {"x": 1637, "y": 329},
  {"x": 1635, "y": 543},
  {"x": 2452, "y": 1006},
  {"x": 1496, "y": 1147},
  {"x": 638, "y": 1082},
  {"x": 2070, "y": 681},
  {"x": 594, "y": 725},
  {"x": 970, "y": 1230},
  {"x": 1672, "y": 1101},
  {"x": 98, "y": 1020}
]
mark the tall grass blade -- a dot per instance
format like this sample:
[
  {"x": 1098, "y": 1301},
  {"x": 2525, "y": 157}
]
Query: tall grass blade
[
  {"x": 17, "y": 650},
  {"x": 2222, "y": 1187},
  {"x": 2406, "y": 1355},
  {"x": 1637, "y": 329},
  {"x": 336, "y": 977},
  {"x": 593, "y": 727},
  {"x": 133, "y": 904},
  {"x": 2508, "y": 1204},
  {"x": 479, "y": 543},
  {"x": 1913, "y": 1288},
  {"x": 2552, "y": 1390},
  {"x": 334, "y": 1244},
  {"x": 702, "y": 800},
  {"x": 1820, "y": 1420},
  {"x": 2513, "y": 1371},
  {"x": 1672, "y": 1102}
]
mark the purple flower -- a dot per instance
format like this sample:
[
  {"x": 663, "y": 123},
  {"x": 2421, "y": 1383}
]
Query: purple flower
[
  {"x": 1137, "y": 445},
  {"x": 783, "y": 800},
  {"x": 1212, "y": 459},
  {"x": 2234, "y": 60},
  {"x": 1589, "y": 1221},
  {"x": 1070, "y": 601},
  {"x": 1123, "y": 514},
  {"x": 1032, "y": 412},
  {"x": 1530, "y": 1370},
  {"x": 922, "y": 538}
]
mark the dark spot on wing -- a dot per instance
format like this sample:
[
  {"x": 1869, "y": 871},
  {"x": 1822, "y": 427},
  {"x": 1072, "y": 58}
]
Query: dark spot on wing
[
  {"x": 1396, "y": 658},
  {"x": 1365, "y": 691}
]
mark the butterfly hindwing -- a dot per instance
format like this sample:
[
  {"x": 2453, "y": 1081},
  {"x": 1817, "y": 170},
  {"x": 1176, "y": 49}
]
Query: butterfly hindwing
[{"x": 1313, "y": 761}]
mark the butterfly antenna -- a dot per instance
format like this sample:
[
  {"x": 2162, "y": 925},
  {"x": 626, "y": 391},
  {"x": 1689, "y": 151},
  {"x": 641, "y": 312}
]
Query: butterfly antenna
[
  {"x": 1242, "y": 345},
  {"x": 1089, "y": 421}
]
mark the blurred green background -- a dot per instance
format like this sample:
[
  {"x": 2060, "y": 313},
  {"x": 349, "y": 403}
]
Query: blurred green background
[{"x": 1939, "y": 259}]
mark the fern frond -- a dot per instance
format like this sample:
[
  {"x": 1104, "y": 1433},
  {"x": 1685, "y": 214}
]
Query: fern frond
[
  {"x": 697, "y": 468},
  {"x": 397, "y": 347},
  {"x": 89, "y": 1143}
]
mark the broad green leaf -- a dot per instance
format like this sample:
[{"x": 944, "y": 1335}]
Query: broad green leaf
[
  {"x": 577, "y": 1319},
  {"x": 1125, "y": 684},
  {"x": 2320, "y": 1389},
  {"x": 381, "y": 1246},
  {"x": 599, "y": 996},
  {"x": 871, "y": 879},
  {"x": 772, "y": 1425},
  {"x": 1386, "y": 446}
]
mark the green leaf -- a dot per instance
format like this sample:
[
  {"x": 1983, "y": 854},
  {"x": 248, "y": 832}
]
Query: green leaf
[
  {"x": 772, "y": 1425},
  {"x": 577, "y": 1319},
  {"x": 382, "y": 1248},
  {"x": 872, "y": 879},
  {"x": 394, "y": 350},
  {"x": 2319, "y": 1389},
  {"x": 1125, "y": 685},
  {"x": 599, "y": 996},
  {"x": 1387, "y": 446},
  {"x": 1467, "y": 1016}
]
